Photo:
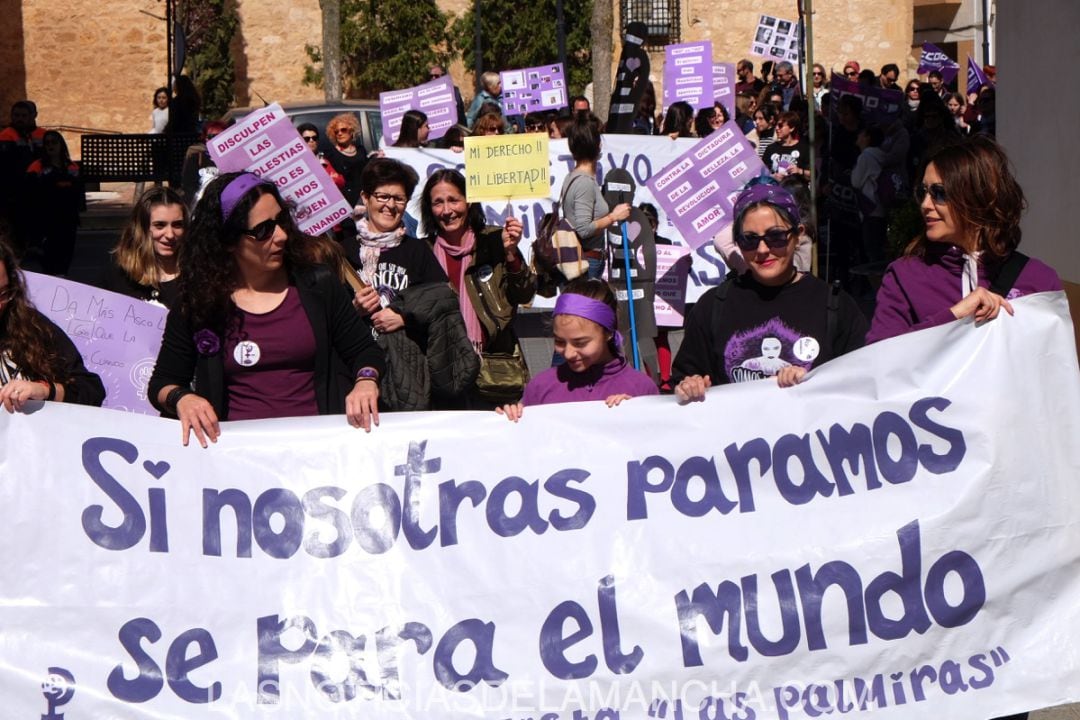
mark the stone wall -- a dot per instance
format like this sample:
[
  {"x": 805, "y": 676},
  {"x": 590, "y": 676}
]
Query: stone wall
[{"x": 269, "y": 50}]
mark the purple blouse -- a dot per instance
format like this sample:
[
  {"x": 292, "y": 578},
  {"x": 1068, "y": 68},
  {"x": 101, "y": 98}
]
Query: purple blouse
[{"x": 563, "y": 385}]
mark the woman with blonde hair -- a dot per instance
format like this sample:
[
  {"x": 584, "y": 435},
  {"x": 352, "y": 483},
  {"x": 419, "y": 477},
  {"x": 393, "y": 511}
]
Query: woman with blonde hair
[
  {"x": 346, "y": 154},
  {"x": 145, "y": 262}
]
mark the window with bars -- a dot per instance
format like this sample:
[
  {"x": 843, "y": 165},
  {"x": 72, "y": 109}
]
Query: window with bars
[{"x": 661, "y": 17}]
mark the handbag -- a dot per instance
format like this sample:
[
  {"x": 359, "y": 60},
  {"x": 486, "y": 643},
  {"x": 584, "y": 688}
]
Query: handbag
[
  {"x": 557, "y": 247},
  {"x": 502, "y": 377}
]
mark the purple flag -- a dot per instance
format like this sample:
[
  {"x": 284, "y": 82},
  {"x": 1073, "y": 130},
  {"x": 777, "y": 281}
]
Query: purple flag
[
  {"x": 934, "y": 58},
  {"x": 976, "y": 78},
  {"x": 435, "y": 99},
  {"x": 533, "y": 89},
  {"x": 688, "y": 74},
  {"x": 881, "y": 106},
  {"x": 697, "y": 191},
  {"x": 117, "y": 336}
]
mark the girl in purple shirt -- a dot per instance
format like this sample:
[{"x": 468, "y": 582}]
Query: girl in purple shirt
[
  {"x": 584, "y": 325},
  {"x": 971, "y": 204}
]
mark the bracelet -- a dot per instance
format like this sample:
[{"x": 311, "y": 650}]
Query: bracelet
[
  {"x": 367, "y": 373},
  {"x": 174, "y": 396}
]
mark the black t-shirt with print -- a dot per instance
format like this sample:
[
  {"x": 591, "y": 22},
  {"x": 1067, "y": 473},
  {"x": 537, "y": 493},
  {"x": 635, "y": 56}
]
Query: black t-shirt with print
[{"x": 777, "y": 154}]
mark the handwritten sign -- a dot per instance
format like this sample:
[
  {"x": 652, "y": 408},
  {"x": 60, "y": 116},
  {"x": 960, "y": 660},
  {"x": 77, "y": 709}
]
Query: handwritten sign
[
  {"x": 688, "y": 74},
  {"x": 698, "y": 190},
  {"x": 500, "y": 167},
  {"x": 118, "y": 336},
  {"x": 533, "y": 89},
  {"x": 724, "y": 86},
  {"x": 435, "y": 99},
  {"x": 266, "y": 143}
]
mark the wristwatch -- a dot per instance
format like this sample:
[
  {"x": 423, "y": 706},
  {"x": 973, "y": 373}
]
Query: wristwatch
[{"x": 367, "y": 373}]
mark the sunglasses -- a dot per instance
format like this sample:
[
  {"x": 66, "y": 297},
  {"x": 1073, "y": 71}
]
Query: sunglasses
[
  {"x": 819, "y": 74},
  {"x": 265, "y": 230},
  {"x": 310, "y": 138},
  {"x": 775, "y": 239},
  {"x": 936, "y": 191},
  {"x": 852, "y": 73}
]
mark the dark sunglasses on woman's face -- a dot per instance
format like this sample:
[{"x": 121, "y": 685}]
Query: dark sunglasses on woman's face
[
  {"x": 775, "y": 239},
  {"x": 265, "y": 230},
  {"x": 936, "y": 191},
  {"x": 310, "y": 138}
]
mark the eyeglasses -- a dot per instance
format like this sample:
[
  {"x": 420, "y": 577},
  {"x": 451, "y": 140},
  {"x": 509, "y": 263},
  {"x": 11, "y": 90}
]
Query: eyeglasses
[
  {"x": 936, "y": 191},
  {"x": 434, "y": 76},
  {"x": 387, "y": 198},
  {"x": 266, "y": 229},
  {"x": 534, "y": 126},
  {"x": 344, "y": 131},
  {"x": 310, "y": 138},
  {"x": 851, "y": 73},
  {"x": 775, "y": 239},
  {"x": 819, "y": 74}
]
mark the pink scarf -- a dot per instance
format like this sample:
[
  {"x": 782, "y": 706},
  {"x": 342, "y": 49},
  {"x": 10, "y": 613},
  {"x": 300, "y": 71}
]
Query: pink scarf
[{"x": 464, "y": 251}]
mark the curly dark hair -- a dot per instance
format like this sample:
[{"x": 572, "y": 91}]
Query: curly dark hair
[
  {"x": 475, "y": 217},
  {"x": 208, "y": 270},
  {"x": 25, "y": 335}
]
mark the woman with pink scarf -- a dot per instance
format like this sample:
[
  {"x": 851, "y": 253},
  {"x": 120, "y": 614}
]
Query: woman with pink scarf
[{"x": 484, "y": 265}]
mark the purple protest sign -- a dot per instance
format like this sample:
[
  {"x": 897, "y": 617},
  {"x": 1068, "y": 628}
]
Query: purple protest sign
[
  {"x": 724, "y": 86},
  {"x": 688, "y": 74},
  {"x": 881, "y": 106},
  {"x": 697, "y": 190},
  {"x": 117, "y": 336},
  {"x": 435, "y": 99},
  {"x": 266, "y": 144},
  {"x": 934, "y": 58},
  {"x": 672, "y": 272},
  {"x": 976, "y": 78},
  {"x": 533, "y": 89}
]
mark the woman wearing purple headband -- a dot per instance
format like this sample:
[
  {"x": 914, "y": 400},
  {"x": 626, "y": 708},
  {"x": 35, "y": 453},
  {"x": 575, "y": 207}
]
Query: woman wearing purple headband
[
  {"x": 586, "y": 334},
  {"x": 261, "y": 329},
  {"x": 772, "y": 321}
]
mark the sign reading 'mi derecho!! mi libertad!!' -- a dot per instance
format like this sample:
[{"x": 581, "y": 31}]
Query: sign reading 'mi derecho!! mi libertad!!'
[{"x": 507, "y": 167}]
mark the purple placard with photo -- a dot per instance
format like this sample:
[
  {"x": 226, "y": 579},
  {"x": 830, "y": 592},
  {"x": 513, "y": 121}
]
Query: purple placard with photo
[
  {"x": 266, "y": 143},
  {"x": 880, "y": 106},
  {"x": 117, "y": 336},
  {"x": 698, "y": 190},
  {"x": 533, "y": 89},
  {"x": 724, "y": 80},
  {"x": 776, "y": 39},
  {"x": 435, "y": 99},
  {"x": 688, "y": 74}
]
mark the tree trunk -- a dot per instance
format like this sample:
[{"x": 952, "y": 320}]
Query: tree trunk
[
  {"x": 601, "y": 27},
  {"x": 331, "y": 49}
]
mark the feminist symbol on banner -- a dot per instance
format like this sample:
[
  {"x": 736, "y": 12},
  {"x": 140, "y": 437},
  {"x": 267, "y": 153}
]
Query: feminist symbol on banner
[{"x": 58, "y": 687}]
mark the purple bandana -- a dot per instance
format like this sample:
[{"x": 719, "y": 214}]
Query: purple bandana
[
  {"x": 235, "y": 191},
  {"x": 595, "y": 310},
  {"x": 766, "y": 193}
]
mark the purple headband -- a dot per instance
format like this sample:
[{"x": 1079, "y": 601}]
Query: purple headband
[
  {"x": 237, "y": 188},
  {"x": 595, "y": 310},
  {"x": 766, "y": 193}
]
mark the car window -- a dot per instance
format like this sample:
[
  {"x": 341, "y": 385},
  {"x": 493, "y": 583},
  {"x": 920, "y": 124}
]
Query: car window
[{"x": 374, "y": 118}]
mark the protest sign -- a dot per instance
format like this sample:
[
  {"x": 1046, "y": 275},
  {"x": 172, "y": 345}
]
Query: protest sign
[
  {"x": 118, "y": 336},
  {"x": 267, "y": 144},
  {"x": 435, "y": 99},
  {"x": 934, "y": 58},
  {"x": 642, "y": 156},
  {"x": 533, "y": 89},
  {"x": 724, "y": 80},
  {"x": 776, "y": 39},
  {"x": 863, "y": 543},
  {"x": 881, "y": 106},
  {"x": 672, "y": 271},
  {"x": 688, "y": 74},
  {"x": 697, "y": 190},
  {"x": 507, "y": 167},
  {"x": 976, "y": 78}
]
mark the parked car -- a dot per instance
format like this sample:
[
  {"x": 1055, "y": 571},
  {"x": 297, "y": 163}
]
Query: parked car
[{"x": 319, "y": 114}]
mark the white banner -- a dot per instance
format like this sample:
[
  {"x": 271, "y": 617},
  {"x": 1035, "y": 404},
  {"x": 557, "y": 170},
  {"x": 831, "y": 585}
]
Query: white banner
[
  {"x": 898, "y": 535},
  {"x": 642, "y": 156}
]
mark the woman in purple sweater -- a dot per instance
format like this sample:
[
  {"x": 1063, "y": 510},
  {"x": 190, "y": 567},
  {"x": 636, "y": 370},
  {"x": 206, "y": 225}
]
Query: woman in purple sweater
[
  {"x": 584, "y": 325},
  {"x": 966, "y": 263}
]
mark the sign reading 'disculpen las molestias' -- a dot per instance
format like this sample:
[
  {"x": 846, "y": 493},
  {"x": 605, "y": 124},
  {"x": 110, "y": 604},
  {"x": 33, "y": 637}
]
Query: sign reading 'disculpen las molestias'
[
  {"x": 502, "y": 167},
  {"x": 266, "y": 143}
]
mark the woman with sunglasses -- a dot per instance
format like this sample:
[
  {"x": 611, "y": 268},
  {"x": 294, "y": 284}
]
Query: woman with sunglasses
[
  {"x": 772, "y": 321},
  {"x": 261, "y": 329},
  {"x": 37, "y": 360},
  {"x": 821, "y": 85},
  {"x": 965, "y": 263},
  {"x": 346, "y": 154}
]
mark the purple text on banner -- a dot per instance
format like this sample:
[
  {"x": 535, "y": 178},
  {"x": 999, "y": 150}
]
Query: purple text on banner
[
  {"x": 724, "y": 86},
  {"x": 117, "y": 336},
  {"x": 881, "y": 106},
  {"x": 672, "y": 271},
  {"x": 533, "y": 89},
  {"x": 698, "y": 189},
  {"x": 934, "y": 58},
  {"x": 688, "y": 74},
  {"x": 266, "y": 144},
  {"x": 976, "y": 78},
  {"x": 435, "y": 99}
]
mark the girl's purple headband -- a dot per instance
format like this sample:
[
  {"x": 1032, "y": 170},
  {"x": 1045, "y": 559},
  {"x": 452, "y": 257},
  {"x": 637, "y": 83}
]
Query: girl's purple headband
[
  {"x": 237, "y": 188},
  {"x": 595, "y": 310}
]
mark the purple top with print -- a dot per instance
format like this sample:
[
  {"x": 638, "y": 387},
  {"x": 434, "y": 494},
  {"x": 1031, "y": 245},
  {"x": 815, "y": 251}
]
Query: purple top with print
[{"x": 563, "y": 385}]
